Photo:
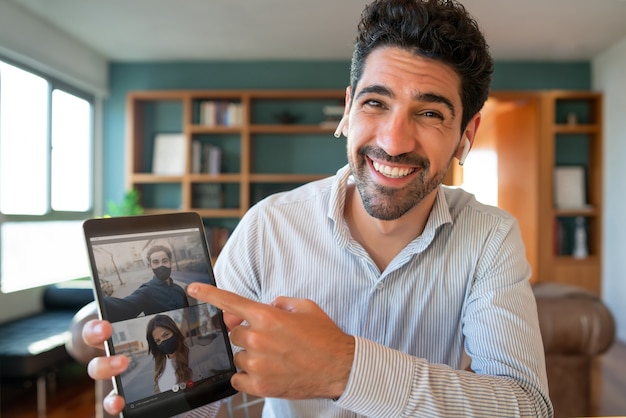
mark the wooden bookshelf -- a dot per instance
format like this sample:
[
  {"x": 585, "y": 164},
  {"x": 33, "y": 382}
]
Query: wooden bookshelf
[
  {"x": 573, "y": 137},
  {"x": 261, "y": 154},
  {"x": 533, "y": 136}
]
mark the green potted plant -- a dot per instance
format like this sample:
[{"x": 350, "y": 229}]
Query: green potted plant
[{"x": 130, "y": 205}]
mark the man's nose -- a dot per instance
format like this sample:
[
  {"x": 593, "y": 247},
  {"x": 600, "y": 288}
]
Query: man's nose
[{"x": 397, "y": 135}]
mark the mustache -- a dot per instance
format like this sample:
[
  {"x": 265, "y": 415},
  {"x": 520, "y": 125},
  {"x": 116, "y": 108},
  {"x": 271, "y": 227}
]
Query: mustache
[{"x": 380, "y": 154}]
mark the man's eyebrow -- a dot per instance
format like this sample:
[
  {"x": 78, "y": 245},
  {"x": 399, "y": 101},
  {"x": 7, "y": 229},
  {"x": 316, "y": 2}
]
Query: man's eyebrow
[
  {"x": 420, "y": 97},
  {"x": 437, "y": 98},
  {"x": 377, "y": 89}
]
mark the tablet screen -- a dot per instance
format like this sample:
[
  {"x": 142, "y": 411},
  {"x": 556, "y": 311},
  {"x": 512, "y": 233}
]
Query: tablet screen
[{"x": 178, "y": 347}]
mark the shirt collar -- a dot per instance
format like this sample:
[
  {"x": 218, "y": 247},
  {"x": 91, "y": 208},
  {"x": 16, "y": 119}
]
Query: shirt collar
[
  {"x": 439, "y": 215},
  {"x": 337, "y": 205}
]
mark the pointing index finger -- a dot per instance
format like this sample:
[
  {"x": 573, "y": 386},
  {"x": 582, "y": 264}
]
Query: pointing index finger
[{"x": 223, "y": 299}]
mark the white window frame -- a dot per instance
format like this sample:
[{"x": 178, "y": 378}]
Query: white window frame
[{"x": 52, "y": 215}]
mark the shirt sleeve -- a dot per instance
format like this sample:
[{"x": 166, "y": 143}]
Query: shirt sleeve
[
  {"x": 131, "y": 306},
  {"x": 502, "y": 338}
]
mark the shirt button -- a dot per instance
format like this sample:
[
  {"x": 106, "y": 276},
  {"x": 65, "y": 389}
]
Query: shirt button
[{"x": 380, "y": 285}]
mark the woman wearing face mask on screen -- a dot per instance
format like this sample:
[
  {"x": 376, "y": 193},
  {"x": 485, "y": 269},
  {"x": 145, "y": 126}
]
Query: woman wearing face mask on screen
[{"x": 176, "y": 363}]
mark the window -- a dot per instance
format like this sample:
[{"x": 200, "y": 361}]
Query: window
[
  {"x": 46, "y": 178},
  {"x": 480, "y": 175}
]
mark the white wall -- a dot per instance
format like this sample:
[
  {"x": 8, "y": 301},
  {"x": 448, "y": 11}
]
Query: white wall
[
  {"x": 609, "y": 76},
  {"x": 31, "y": 41}
]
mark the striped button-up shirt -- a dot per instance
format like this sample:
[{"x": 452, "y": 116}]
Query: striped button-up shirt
[{"x": 462, "y": 285}]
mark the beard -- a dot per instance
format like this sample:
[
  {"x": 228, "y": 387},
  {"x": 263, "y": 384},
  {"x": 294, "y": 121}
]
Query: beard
[{"x": 389, "y": 203}]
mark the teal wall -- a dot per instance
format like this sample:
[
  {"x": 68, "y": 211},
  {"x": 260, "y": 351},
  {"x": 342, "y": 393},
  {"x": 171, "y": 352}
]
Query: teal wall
[{"x": 126, "y": 77}]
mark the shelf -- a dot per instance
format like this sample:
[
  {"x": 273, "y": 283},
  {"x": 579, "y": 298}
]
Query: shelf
[
  {"x": 289, "y": 129},
  {"x": 534, "y": 133},
  {"x": 286, "y": 178},
  {"x": 576, "y": 212},
  {"x": 147, "y": 178},
  {"x": 572, "y": 144},
  {"x": 215, "y": 178},
  {"x": 590, "y": 260},
  {"x": 575, "y": 129},
  {"x": 257, "y": 155},
  {"x": 261, "y": 156},
  {"x": 214, "y": 129}
]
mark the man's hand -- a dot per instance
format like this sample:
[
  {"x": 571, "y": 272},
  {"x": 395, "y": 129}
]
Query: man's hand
[
  {"x": 291, "y": 348},
  {"x": 95, "y": 333}
]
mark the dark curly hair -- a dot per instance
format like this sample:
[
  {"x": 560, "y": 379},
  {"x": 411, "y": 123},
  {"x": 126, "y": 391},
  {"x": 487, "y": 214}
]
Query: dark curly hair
[
  {"x": 156, "y": 249},
  {"x": 438, "y": 29}
]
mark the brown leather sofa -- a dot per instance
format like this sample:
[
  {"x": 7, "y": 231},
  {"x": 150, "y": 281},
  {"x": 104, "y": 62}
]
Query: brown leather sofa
[{"x": 575, "y": 326}]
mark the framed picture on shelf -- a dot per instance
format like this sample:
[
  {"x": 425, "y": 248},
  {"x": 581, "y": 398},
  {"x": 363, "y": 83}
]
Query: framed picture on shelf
[
  {"x": 569, "y": 187},
  {"x": 169, "y": 155}
]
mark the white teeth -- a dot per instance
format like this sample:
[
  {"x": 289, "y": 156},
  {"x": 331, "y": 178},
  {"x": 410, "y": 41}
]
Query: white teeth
[{"x": 393, "y": 172}]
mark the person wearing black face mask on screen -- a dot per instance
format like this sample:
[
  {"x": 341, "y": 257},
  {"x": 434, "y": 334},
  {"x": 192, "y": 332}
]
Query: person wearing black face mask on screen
[
  {"x": 158, "y": 295},
  {"x": 176, "y": 362}
]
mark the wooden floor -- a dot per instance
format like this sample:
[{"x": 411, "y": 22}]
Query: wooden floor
[
  {"x": 609, "y": 382},
  {"x": 74, "y": 394},
  {"x": 71, "y": 394}
]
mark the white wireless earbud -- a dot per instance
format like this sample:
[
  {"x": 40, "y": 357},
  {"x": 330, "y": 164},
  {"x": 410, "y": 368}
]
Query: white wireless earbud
[
  {"x": 339, "y": 129},
  {"x": 466, "y": 147}
]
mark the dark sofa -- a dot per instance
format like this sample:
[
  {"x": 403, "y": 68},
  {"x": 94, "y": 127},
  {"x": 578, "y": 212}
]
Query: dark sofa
[{"x": 34, "y": 347}]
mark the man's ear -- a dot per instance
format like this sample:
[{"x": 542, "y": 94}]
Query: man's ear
[
  {"x": 467, "y": 140},
  {"x": 342, "y": 127},
  {"x": 348, "y": 99},
  {"x": 466, "y": 147}
]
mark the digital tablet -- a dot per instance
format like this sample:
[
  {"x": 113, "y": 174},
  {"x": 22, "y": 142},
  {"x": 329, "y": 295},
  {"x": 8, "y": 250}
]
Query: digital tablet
[{"x": 179, "y": 351}]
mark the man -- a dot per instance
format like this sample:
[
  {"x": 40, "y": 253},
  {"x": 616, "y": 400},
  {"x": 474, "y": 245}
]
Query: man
[
  {"x": 158, "y": 295},
  {"x": 390, "y": 276}
]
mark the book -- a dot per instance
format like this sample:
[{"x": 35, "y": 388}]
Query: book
[
  {"x": 220, "y": 113},
  {"x": 211, "y": 159},
  {"x": 196, "y": 156},
  {"x": 207, "y": 113},
  {"x": 569, "y": 187},
  {"x": 332, "y": 116},
  {"x": 215, "y": 160},
  {"x": 208, "y": 196},
  {"x": 334, "y": 110},
  {"x": 234, "y": 114},
  {"x": 216, "y": 238},
  {"x": 169, "y": 154}
]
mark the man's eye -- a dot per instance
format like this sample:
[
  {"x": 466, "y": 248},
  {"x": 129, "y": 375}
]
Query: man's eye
[
  {"x": 372, "y": 103},
  {"x": 431, "y": 114}
]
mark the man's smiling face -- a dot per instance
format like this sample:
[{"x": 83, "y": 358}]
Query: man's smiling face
[{"x": 404, "y": 129}]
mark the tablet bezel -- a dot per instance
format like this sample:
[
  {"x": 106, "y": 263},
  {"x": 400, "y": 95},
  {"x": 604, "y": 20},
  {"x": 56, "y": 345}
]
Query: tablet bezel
[{"x": 124, "y": 228}]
